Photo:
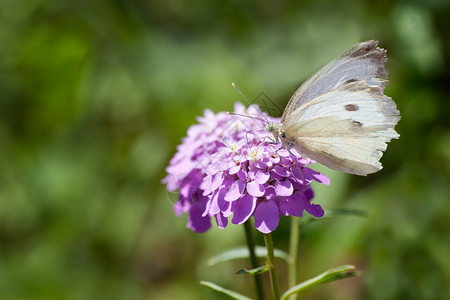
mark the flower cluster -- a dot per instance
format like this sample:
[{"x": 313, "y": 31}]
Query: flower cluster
[{"x": 229, "y": 166}]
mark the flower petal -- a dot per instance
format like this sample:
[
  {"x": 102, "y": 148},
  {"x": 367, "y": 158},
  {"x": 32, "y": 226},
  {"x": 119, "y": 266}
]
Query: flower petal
[
  {"x": 315, "y": 210},
  {"x": 309, "y": 193},
  {"x": 269, "y": 194},
  {"x": 293, "y": 205},
  {"x": 281, "y": 171},
  {"x": 235, "y": 191},
  {"x": 221, "y": 221},
  {"x": 171, "y": 182},
  {"x": 206, "y": 184},
  {"x": 217, "y": 181},
  {"x": 274, "y": 158},
  {"x": 228, "y": 208},
  {"x": 217, "y": 201},
  {"x": 181, "y": 207},
  {"x": 260, "y": 164},
  {"x": 284, "y": 187},
  {"x": 196, "y": 222},
  {"x": 266, "y": 216},
  {"x": 262, "y": 177},
  {"x": 297, "y": 175},
  {"x": 235, "y": 168},
  {"x": 255, "y": 189},
  {"x": 251, "y": 174},
  {"x": 244, "y": 209},
  {"x": 207, "y": 208},
  {"x": 242, "y": 175},
  {"x": 283, "y": 152},
  {"x": 317, "y": 176}
]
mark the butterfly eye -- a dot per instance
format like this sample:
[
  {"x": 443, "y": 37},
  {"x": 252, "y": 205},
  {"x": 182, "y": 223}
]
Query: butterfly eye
[{"x": 283, "y": 135}]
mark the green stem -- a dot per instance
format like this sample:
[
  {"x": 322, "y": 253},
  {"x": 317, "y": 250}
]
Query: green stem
[
  {"x": 293, "y": 254},
  {"x": 270, "y": 262},
  {"x": 253, "y": 259}
]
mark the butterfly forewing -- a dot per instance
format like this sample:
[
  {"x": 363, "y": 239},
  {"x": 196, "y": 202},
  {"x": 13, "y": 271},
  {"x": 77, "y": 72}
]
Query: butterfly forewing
[{"x": 364, "y": 62}]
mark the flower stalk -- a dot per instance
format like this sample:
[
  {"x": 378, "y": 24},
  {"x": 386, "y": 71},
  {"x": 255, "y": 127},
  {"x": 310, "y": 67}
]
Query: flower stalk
[
  {"x": 293, "y": 254},
  {"x": 253, "y": 259},
  {"x": 270, "y": 262}
]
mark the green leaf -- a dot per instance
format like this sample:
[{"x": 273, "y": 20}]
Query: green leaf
[
  {"x": 254, "y": 271},
  {"x": 229, "y": 293},
  {"x": 330, "y": 275},
  {"x": 329, "y": 214},
  {"x": 242, "y": 252}
]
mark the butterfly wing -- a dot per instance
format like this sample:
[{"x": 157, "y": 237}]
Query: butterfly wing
[
  {"x": 344, "y": 129},
  {"x": 363, "y": 62}
]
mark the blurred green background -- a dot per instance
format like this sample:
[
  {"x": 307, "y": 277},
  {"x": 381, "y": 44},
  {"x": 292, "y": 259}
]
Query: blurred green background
[{"x": 95, "y": 96}]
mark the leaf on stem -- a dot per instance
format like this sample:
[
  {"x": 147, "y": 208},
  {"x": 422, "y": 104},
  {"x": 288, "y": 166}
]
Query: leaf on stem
[
  {"x": 255, "y": 271},
  {"x": 229, "y": 293},
  {"x": 327, "y": 276}
]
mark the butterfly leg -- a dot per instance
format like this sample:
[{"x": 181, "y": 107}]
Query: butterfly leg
[
  {"x": 271, "y": 140},
  {"x": 289, "y": 150}
]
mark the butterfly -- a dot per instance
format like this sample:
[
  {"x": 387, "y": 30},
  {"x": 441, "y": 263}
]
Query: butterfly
[{"x": 340, "y": 116}]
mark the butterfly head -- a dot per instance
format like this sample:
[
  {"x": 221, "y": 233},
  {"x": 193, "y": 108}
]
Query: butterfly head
[{"x": 273, "y": 128}]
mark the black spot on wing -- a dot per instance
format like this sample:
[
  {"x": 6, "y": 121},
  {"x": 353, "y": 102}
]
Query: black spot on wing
[
  {"x": 351, "y": 107},
  {"x": 357, "y": 123},
  {"x": 350, "y": 81}
]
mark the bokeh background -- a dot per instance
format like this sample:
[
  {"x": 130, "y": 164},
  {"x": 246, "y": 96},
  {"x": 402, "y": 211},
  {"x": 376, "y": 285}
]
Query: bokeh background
[{"x": 95, "y": 96}]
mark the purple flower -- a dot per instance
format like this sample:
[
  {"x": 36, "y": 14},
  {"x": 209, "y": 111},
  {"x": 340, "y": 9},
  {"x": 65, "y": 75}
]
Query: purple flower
[{"x": 227, "y": 166}]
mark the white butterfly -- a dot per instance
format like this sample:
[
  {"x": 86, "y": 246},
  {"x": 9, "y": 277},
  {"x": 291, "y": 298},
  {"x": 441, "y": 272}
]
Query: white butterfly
[{"x": 340, "y": 117}]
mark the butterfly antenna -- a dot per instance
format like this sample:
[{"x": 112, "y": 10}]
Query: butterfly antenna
[
  {"x": 246, "y": 116},
  {"x": 239, "y": 91},
  {"x": 264, "y": 119}
]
